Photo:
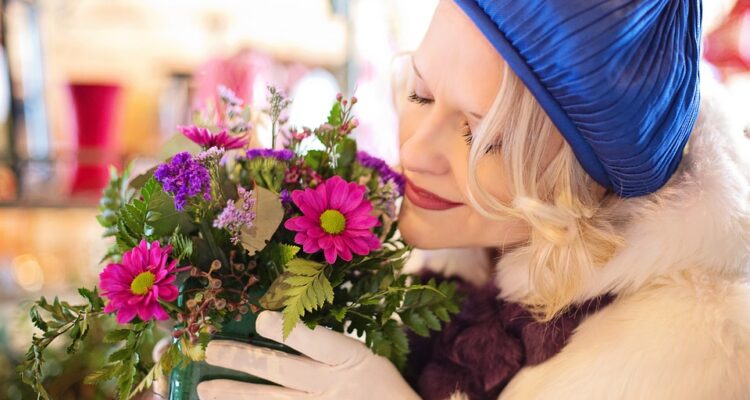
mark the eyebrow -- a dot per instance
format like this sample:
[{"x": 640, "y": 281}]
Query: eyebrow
[
  {"x": 414, "y": 67},
  {"x": 416, "y": 72}
]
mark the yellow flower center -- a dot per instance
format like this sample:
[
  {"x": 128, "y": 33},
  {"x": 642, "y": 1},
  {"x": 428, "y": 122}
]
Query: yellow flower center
[
  {"x": 142, "y": 283},
  {"x": 333, "y": 222}
]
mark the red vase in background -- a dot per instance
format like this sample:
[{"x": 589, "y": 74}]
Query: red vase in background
[{"x": 96, "y": 115}]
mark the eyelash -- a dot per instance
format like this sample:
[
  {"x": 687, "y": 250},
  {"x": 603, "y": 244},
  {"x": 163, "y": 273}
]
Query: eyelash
[{"x": 468, "y": 136}]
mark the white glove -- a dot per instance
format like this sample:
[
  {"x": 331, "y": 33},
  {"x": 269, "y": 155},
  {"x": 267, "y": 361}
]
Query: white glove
[{"x": 335, "y": 367}]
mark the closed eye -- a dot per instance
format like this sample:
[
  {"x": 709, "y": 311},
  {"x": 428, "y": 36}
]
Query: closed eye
[
  {"x": 414, "y": 98},
  {"x": 467, "y": 134},
  {"x": 468, "y": 137}
]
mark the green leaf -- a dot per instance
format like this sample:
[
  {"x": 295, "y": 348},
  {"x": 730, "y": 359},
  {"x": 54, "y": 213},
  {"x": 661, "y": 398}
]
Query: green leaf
[
  {"x": 140, "y": 180},
  {"x": 182, "y": 246},
  {"x": 339, "y": 313},
  {"x": 442, "y": 313},
  {"x": 281, "y": 254},
  {"x": 116, "y": 336},
  {"x": 400, "y": 343},
  {"x": 93, "y": 298},
  {"x": 314, "y": 159},
  {"x": 335, "y": 117},
  {"x": 301, "y": 266},
  {"x": 291, "y": 318},
  {"x": 415, "y": 322},
  {"x": 307, "y": 289},
  {"x": 37, "y": 320},
  {"x": 120, "y": 355},
  {"x": 103, "y": 375},
  {"x": 153, "y": 374},
  {"x": 430, "y": 319},
  {"x": 276, "y": 294},
  {"x": 347, "y": 151}
]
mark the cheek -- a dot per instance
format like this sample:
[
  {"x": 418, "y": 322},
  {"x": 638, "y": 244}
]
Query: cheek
[
  {"x": 408, "y": 123},
  {"x": 494, "y": 179}
]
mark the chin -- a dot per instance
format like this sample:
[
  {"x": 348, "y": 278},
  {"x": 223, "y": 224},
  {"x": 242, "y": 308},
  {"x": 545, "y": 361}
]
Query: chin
[{"x": 418, "y": 232}]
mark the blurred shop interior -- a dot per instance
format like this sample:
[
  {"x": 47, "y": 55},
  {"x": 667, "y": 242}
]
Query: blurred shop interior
[{"x": 85, "y": 84}]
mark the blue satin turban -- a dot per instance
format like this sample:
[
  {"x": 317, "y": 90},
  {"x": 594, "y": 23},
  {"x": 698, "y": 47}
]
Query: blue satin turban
[{"x": 619, "y": 78}]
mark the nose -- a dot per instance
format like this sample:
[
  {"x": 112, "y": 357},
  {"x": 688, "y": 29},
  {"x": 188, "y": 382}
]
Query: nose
[{"x": 423, "y": 148}]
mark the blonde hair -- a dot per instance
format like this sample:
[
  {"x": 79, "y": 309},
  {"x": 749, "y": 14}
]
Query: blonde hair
[{"x": 572, "y": 227}]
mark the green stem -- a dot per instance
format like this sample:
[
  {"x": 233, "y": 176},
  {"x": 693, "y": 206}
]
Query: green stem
[
  {"x": 350, "y": 311},
  {"x": 209, "y": 237}
]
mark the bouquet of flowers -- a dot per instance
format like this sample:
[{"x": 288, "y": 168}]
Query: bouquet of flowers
[{"x": 204, "y": 241}]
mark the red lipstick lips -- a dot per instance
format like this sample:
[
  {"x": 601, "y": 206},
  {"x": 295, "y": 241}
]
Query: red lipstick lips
[{"x": 426, "y": 199}]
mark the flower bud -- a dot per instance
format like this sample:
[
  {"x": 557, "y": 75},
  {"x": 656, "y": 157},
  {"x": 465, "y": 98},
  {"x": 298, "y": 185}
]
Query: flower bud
[
  {"x": 215, "y": 283},
  {"x": 220, "y": 304},
  {"x": 339, "y": 96},
  {"x": 354, "y": 100}
]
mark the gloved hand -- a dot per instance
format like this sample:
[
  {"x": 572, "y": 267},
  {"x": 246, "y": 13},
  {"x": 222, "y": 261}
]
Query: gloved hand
[{"x": 333, "y": 367}]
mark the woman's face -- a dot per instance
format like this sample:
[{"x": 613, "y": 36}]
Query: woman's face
[{"x": 457, "y": 76}]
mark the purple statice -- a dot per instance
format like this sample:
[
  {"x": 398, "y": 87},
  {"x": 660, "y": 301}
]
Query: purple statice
[
  {"x": 237, "y": 215},
  {"x": 184, "y": 177},
  {"x": 285, "y": 197},
  {"x": 389, "y": 194},
  {"x": 281, "y": 155},
  {"x": 384, "y": 171}
]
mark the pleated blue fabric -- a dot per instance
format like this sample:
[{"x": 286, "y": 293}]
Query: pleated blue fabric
[{"x": 619, "y": 78}]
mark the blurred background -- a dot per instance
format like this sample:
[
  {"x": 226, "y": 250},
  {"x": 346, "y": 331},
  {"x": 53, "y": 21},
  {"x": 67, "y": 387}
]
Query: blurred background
[{"x": 85, "y": 84}]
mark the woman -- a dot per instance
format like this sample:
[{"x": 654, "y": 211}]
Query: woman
[{"x": 557, "y": 132}]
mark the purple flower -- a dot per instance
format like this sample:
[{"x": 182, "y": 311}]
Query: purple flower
[
  {"x": 384, "y": 171},
  {"x": 285, "y": 196},
  {"x": 204, "y": 138},
  {"x": 184, "y": 178},
  {"x": 233, "y": 219},
  {"x": 281, "y": 155}
]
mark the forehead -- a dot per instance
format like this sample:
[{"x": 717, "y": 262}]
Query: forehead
[{"x": 455, "y": 57}]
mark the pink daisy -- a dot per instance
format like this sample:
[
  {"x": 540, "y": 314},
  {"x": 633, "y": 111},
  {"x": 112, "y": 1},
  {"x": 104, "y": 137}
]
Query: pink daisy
[
  {"x": 204, "y": 138},
  {"x": 135, "y": 286},
  {"x": 336, "y": 219}
]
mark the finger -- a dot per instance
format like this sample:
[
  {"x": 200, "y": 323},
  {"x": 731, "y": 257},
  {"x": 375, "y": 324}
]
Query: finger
[
  {"x": 295, "y": 372},
  {"x": 160, "y": 386},
  {"x": 223, "y": 389},
  {"x": 320, "y": 344}
]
